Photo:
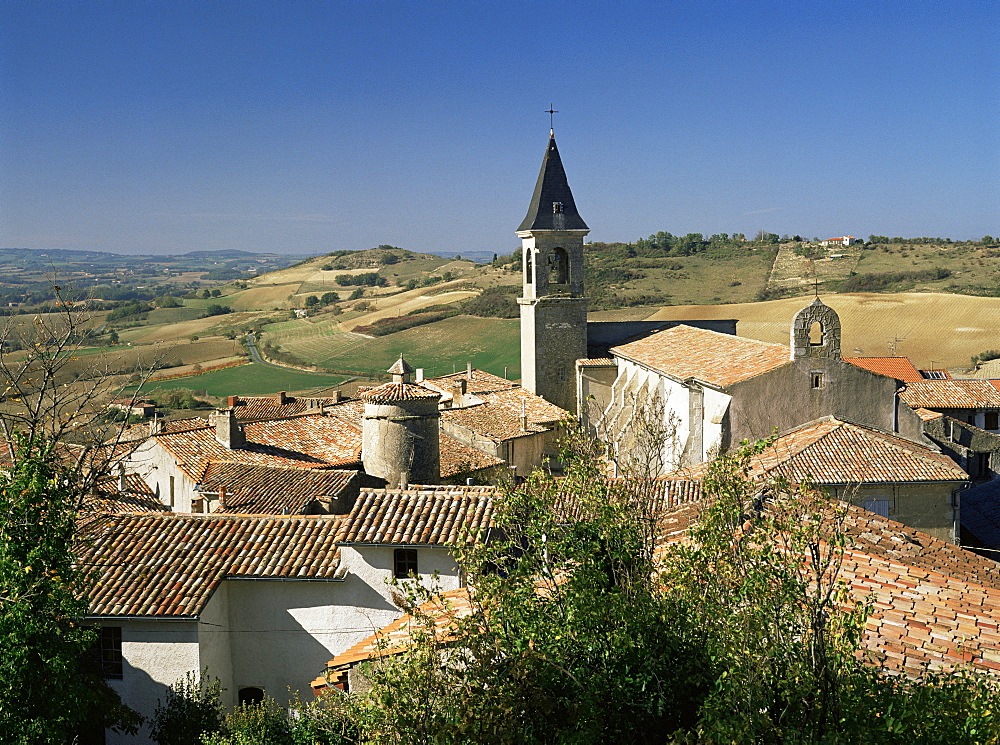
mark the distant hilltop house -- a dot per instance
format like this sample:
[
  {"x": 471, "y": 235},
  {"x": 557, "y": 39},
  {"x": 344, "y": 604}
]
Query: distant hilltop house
[{"x": 844, "y": 240}]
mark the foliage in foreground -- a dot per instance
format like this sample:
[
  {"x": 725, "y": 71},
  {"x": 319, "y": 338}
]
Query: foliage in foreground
[
  {"x": 49, "y": 686},
  {"x": 583, "y": 635},
  {"x": 583, "y": 631}
]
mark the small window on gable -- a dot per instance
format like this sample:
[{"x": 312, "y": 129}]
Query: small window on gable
[
  {"x": 404, "y": 563},
  {"x": 879, "y": 505},
  {"x": 251, "y": 695},
  {"x": 817, "y": 379},
  {"x": 816, "y": 334},
  {"x": 112, "y": 663}
]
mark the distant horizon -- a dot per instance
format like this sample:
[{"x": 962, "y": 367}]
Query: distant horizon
[{"x": 137, "y": 127}]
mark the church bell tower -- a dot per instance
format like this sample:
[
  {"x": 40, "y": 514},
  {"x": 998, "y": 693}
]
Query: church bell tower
[{"x": 553, "y": 308}]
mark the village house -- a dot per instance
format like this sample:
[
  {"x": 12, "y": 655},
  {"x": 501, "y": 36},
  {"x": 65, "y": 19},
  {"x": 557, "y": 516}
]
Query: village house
[{"x": 255, "y": 600}]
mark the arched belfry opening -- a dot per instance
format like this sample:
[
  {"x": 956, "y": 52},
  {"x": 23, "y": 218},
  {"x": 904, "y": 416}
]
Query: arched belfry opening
[
  {"x": 528, "y": 268},
  {"x": 815, "y": 332},
  {"x": 559, "y": 266}
]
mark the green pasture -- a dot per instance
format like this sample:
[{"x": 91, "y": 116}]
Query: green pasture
[
  {"x": 491, "y": 344},
  {"x": 173, "y": 315},
  {"x": 248, "y": 380}
]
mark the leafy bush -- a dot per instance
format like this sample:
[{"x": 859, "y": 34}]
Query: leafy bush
[
  {"x": 368, "y": 279},
  {"x": 217, "y": 310},
  {"x": 492, "y": 303},
  {"x": 877, "y": 281},
  {"x": 192, "y": 708}
]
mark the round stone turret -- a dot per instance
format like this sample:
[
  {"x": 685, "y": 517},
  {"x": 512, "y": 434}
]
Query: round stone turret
[{"x": 400, "y": 438}]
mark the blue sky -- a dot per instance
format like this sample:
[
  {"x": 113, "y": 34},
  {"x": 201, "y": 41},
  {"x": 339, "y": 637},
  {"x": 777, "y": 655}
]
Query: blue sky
[{"x": 307, "y": 127}]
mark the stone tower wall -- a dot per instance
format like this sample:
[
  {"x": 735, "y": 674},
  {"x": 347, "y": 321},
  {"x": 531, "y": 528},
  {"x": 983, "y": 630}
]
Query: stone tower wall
[{"x": 400, "y": 438}]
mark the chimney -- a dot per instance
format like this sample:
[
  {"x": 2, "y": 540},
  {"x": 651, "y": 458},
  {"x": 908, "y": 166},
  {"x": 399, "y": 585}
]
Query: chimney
[
  {"x": 232, "y": 401},
  {"x": 227, "y": 430},
  {"x": 155, "y": 426},
  {"x": 121, "y": 479},
  {"x": 463, "y": 386},
  {"x": 336, "y": 396},
  {"x": 420, "y": 375},
  {"x": 404, "y": 479},
  {"x": 524, "y": 417},
  {"x": 281, "y": 398},
  {"x": 468, "y": 369},
  {"x": 222, "y": 497}
]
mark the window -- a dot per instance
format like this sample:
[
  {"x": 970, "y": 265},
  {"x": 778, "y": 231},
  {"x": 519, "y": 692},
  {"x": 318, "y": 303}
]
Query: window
[
  {"x": 112, "y": 665},
  {"x": 527, "y": 267},
  {"x": 404, "y": 562},
  {"x": 817, "y": 380},
  {"x": 250, "y": 695},
  {"x": 992, "y": 420},
  {"x": 879, "y": 505}
]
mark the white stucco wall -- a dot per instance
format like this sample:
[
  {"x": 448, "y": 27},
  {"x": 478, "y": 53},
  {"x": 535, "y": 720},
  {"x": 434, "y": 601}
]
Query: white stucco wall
[
  {"x": 156, "y": 655},
  {"x": 156, "y": 466},
  {"x": 637, "y": 385}
]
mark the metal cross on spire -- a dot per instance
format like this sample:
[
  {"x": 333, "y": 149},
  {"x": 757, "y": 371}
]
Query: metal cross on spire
[{"x": 550, "y": 112}]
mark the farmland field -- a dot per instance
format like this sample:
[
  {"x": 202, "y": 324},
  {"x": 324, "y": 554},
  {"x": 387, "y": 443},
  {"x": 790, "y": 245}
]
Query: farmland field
[
  {"x": 932, "y": 329},
  {"x": 248, "y": 380},
  {"x": 491, "y": 344}
]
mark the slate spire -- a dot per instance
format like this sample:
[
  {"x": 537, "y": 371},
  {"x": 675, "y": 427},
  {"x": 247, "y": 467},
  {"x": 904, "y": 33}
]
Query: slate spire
[{"x": 552, "y": 206}]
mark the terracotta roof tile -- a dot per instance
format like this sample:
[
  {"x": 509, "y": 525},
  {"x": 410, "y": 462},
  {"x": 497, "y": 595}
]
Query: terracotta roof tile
[
  {"x": 389, "y": 392},
  {"x": 832, "y": 451},
  {"x": 169, "y": 565},
  {"x": 899, "y": 368},
  {"x": 136, "y": 497},
  {"x": 596, "y": 362},
  {"x": 458, "y": 458},
  {"x": 269, "y": 407},
  {"x": 952, "y": 394},
  {"x": 305, "y": 441},
  {"x": 714, "y": 358},
  {"x": 479, "y": 382},
  {"x": 273, "y": 490},
  {"x": 425, "y": 515},
  {"x": 397, "y": 636},
  {"x": 933, "y": 603}
]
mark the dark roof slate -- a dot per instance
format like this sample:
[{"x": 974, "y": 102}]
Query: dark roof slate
[{"x": 552, "y": 187}]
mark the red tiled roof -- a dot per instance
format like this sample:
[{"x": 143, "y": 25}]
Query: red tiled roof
[
  {"x": 268, "y": 407},
  {"x": 831, "y": 451},
  {"x": 926, "y": 414},
  {"x": 389, "y": 392},
  {"x": 952, "y": 394},
  {"x": 445, "y": 609},
  {"x": 933, "y": 603},
  {"x": 304, "y": 441},
  {"x": 136, "y": 497},
  {"x": 458, "y": 458},
  {"x": 719, "y": 359},
  {"x": 273, "y": 490},
  {"x": 899, "y": 368},
  {"x": 425, "y": 515},
  {"x": 596, "y": 362},
  {"x": 479, "y": 382},
  {"x": 169, "y": 565}
]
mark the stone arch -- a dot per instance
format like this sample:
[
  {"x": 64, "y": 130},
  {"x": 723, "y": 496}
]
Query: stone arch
[{"x": 829, "y": 324}]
